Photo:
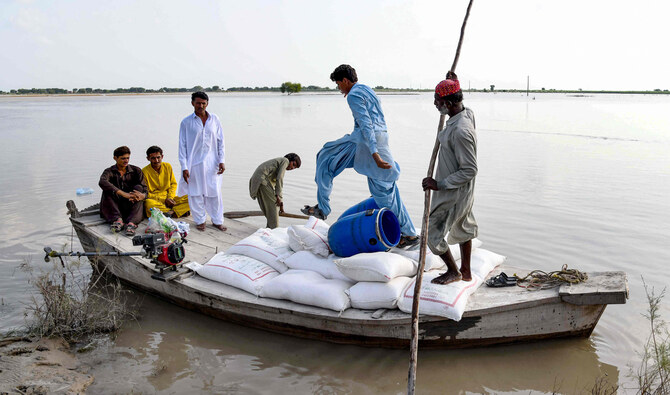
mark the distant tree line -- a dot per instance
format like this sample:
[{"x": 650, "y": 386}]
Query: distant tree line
[{"x": 287, "y": 87}]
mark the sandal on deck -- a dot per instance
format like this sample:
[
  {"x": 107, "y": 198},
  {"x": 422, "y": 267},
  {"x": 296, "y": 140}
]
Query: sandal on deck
[
  {"x": 130, "y": 229},
  {"x": 502, "y": 280},
  {"x": 407, "y": 242},
  {"x": 116, "y": 226},
  {"x": 314, "y": 211}
]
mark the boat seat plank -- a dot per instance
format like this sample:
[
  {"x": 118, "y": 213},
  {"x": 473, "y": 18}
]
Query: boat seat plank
[{"x": 599, "y": 288}]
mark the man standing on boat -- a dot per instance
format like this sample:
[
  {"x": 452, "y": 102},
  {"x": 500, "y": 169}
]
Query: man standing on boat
[
  {"x": 367, "y": 150},
  {"x": 201, "y": 156},
  {"x": 123, "y": 192},
  {"x": 454, "y": 183},
  {"x": 267, "y": 183},
  {"x": 162, "y": 186}
]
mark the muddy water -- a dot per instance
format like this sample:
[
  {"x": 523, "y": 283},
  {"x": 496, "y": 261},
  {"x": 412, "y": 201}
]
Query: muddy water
[{"x": 576, "y": 180}]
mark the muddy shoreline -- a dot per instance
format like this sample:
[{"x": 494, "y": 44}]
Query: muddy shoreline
[{"x": 44, "y": 366}]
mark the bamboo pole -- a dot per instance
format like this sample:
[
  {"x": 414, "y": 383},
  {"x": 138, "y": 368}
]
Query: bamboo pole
[
  {"x": 414, "y": 345},
  {"x": 258, "y": 213}
]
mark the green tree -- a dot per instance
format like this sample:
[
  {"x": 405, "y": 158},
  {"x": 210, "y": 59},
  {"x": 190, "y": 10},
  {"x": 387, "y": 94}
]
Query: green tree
[
  {"x": 492, "y": 87},
  {"x": 290, "y": 87},
  {"x": 197, "y": 88}
]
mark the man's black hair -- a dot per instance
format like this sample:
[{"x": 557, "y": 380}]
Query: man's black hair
[
  {"x": 153, "y": 149},
  {"x": 344, "y": 71},
  {"x": 455, "y": 98},
  {"x": 122, "y": 150},
  {"x": 293, "y": 158},
  {"x": 199, "y": 95}
]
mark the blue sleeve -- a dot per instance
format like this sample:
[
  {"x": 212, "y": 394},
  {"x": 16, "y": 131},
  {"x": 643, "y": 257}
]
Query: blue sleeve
[{"x": 363, "y": 120}]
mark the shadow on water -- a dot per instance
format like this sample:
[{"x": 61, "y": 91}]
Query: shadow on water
[{"x": 172, "y": 349}]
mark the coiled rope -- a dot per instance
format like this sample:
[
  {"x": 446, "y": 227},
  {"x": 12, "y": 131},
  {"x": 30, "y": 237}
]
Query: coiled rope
[{"x": 538, "y": 279}]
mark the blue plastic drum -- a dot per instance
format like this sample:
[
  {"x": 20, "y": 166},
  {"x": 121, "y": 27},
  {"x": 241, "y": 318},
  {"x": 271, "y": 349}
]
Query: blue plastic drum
[
  {"x": 373, "y": 230},
  {"x": 365, "y": 205}
]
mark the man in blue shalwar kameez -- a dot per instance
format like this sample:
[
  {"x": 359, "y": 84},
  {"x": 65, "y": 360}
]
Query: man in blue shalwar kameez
[{"x": 367, "y": 150}]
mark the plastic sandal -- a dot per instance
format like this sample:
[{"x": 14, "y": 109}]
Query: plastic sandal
[
  {"x": 407, "y": 242},
  {"x": 116, "y": 226},
  {"x": 314, "y": 211},
  {"x": 502, "y": 280},
  {"x": 130, "y": 229}
]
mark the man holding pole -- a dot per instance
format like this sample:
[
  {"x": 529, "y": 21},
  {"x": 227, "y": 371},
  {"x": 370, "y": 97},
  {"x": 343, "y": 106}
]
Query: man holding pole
[
  {"x": 367, "y": 150},
  {"x": 454, "y": 183}
]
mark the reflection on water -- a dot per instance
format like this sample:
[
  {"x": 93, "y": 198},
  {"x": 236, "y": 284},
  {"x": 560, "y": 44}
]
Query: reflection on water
[
  {"x": 174, "y": 350},
  {"x": 576, "y": 180}
]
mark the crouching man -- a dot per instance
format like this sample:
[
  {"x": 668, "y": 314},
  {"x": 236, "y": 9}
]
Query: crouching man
[
  {"x": 123, "y": 192},
  {"x": 267, "y": 183}
]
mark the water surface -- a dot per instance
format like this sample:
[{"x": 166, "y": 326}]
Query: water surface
[{"x": 581, "y": 181}]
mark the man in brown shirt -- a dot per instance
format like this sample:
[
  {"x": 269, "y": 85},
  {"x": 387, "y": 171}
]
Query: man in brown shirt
[{"x": 123, "y": 192}]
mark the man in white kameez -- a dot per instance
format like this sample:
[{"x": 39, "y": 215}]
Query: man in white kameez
[
  {"x": 454, "y": 183},
  {"x": 201, "y": 156}
]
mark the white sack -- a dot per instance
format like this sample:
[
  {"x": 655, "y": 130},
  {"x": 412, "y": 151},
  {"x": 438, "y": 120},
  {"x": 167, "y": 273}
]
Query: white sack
[
  {"x": 441, "y": 300},
  {"x": 310, "y": 288},
  {"x": 376, "y": 266},
  {"x": 483, "y": 261},
  {"x": 376, "y": 295},
  {"x": 238, "y": 271},
  {"x": 433, "y": 261},
  {"x": 313, "y": 236},
  {"x": 305, "y": 260},
  {"x": 267, "y": 245}
]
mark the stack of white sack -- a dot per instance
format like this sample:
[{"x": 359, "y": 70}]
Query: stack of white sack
[
  {"x": 313, "y": 237},
  {"x": 238, "y": 271},
  {"x": 269, "y": 246},
  {"x": 450, "y": 300},
  {"x": 305, "y": 260},
  {"x": 433, "y": 261},
  {"x": 376, "y": 266},
  {"x": 309, "y": 288},
  {"x": 377, "y": 295}
]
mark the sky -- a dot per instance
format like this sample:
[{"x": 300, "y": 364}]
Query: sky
[{"x": 567, "y": 44}]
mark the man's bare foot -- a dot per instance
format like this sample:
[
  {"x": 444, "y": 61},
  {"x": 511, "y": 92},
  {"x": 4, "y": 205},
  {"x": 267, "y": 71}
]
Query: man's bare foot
[
  {"x": 447, "y": 278},
  {"x": 200, "y": 227},
  {"x": 466, "y": 276},
  {"x": 219, "y": 227}
]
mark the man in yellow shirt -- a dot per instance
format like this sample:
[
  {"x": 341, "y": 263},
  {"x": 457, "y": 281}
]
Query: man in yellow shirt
[{"x": 162, "y": 186}]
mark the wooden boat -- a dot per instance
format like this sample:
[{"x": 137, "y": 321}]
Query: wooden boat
[{"x": 493, "y": 315}]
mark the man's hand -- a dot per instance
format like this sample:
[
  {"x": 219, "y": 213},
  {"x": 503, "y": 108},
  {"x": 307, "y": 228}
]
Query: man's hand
[
  {"x": 222, "y": 168},
  {"x": 186, "y": 175},
  {"x": 280, "y": 204},
  {"x": 429, "y": 183},
  {"x": 136, "y": 196},
  {"x": 380, "y": 162},
  {"x": 169, "y": 203}
]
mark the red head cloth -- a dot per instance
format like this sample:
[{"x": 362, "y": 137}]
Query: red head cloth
[{"x": 447, "y": 87}]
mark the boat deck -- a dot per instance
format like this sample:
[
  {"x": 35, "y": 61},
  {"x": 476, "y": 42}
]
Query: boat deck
[{"x": 600, "y": 288}]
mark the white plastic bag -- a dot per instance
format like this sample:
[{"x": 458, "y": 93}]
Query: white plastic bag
[
  {"x": 305, "y": 260},
  {"x": 267, "y": 245},
  {"x": 313, "y": 236},
  {"x": 310, "y": 288},
  {"x": 376, "y": 295},
  {"x": 376, "y": 266},
  {"x": 238, "y": 271},
  {"x": 436, "y": 299},
  {"x": 482, "y": 262},
  {"x": 434, "y": 261}
]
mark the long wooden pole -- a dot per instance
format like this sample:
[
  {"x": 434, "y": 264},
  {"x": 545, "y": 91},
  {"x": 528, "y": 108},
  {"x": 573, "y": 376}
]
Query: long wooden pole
[{"x": 414, "y": 345}]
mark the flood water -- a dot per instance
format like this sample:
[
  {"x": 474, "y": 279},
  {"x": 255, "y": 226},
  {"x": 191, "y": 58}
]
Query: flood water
[{"x": 582, "y": 181}]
